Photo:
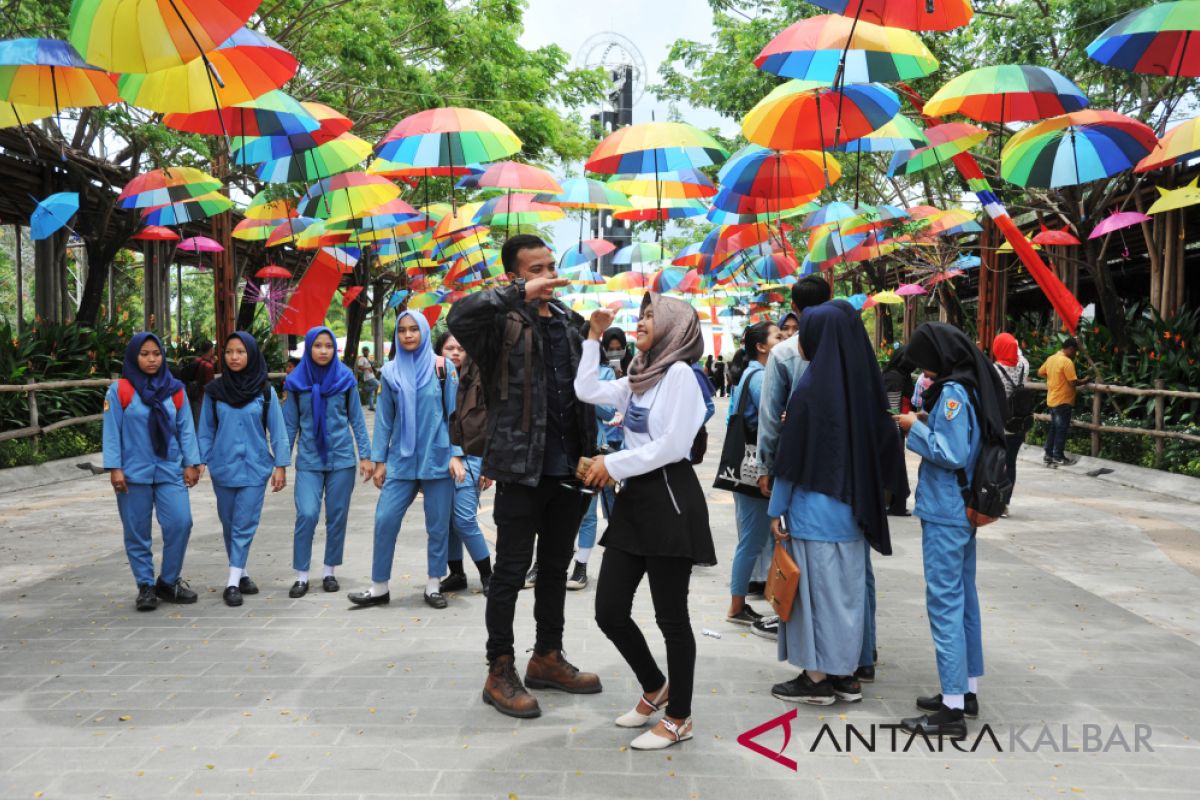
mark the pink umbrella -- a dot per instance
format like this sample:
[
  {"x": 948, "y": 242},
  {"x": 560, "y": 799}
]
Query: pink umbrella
[
  {"x": 200, "y": 244},
  {"x": 910, "y": 289},
  {"x": 1114, "y": 222},
  {"x": 944, "y": 276}
]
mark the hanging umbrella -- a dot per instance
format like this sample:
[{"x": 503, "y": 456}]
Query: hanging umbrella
[
  {"x": 518, "y": 209},
  {"x": 194, "y": 210},
  {"x": 256, "y": 149},
  {"x": 689, "y": 184},
  {"x": 627, "y": 281},
  {"x": 516, "y": 177},
  {"x": 167, "y": 185},
  {"x": 910, "y": 290},
  {"x": 249, "y": 65},
  {"x": 944, "y": 276},
  {"x": 676, "y": 279},
  {"x": 1172, "y": 199},
  {"x": 830, "y": 246},
  {"x": 1181, "y": 143},
  {"x": 448, "y": 137},
  {"x": 655, "y": 147},
  {"x": 200, "y": 244},
  {"x": 887, "y": 297},
  {"x": 582, "y": 276},
  {"x": 773, "y": 267},
  {"x": 640, "y": 253},
  {"x": 900, "y": 133},
  {"x": 256, "y": 230},
  {"x": 1061, "y": 238},
  {"x": 346, "y": 195},
  {"x": 786, "y": 121},
  {"x": 1007, "y": 93},
  {"x": 645, "y": 209},
  {"x": 52, "y": 214},
  {"x": 13, "y": 114},
  {"x": 156, "y": 233},
  {"x": 967, "y": 262},
  {"x": 50, "y": 73},
  {"x": 757, "y": 172},
  {"x": 586, "y": 251},
  {"x": 272, "y": 114},
  {"x": 913, "y": 15},
  {"x": 1117, "y": 221},
  {"x": 828, "y": 214},
  {"x": 585, "y": 193},
  {"x": 834, "y": 49},
  {"x": 1075, "y": 148},
  {"x": 344, "y": 153},
  {"x": 1162, "y": 39},
  {"x": 945, "y": 142},
  {"x": 263, "y": 206}
]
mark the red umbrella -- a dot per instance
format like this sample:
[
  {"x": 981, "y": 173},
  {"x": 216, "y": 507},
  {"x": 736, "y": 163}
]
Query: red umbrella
[
  {"x": 1058, "y": 237},
  {"x": 156, "y": 233},
  {"x": 273, "y": 271},
  {"x": 350, "y": 294}
]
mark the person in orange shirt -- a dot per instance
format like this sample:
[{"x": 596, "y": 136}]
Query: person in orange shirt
[{"x": 1061, "y": 380}]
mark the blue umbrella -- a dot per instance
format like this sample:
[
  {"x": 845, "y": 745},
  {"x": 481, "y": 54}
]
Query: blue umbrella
[{"x": 53, "y": 213}]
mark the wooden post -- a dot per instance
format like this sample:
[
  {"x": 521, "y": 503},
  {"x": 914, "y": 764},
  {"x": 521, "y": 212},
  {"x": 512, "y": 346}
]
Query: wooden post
[
  {"x": 34, "y": 422},
  {"x": 1096, "y": 421},
  {"x": 224, "y": 279},
  {"x": 20, "y": 284},
  {"x": 1160, "y": 403}
]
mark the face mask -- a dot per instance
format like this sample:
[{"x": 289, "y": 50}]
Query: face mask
[{"x": 616, "y": 355}]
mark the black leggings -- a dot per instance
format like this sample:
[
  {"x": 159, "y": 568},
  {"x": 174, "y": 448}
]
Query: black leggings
[{"x": 620, "y": 575}]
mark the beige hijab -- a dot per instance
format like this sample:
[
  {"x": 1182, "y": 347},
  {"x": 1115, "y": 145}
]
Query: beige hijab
[{"x": 677, "y": 337}]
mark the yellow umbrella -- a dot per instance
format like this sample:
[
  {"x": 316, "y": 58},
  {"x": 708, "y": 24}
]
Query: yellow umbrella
[{"x": 1172, "y": 199}]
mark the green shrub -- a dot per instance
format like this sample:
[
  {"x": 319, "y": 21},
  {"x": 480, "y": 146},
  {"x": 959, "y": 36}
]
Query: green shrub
[{"x": 62, "y": 443}]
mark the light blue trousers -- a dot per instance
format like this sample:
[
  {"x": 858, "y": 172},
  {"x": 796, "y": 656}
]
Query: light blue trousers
[
  {"x": 336, "y": 486},
  {"x": 867, "y": 657},
  {"x": 754, "y": 530},
  {"x": 395, "y": 498},
  {"x": 464, "y": 525},
  {"x": 170, "y": 501},
  {"x": 239, "y": 509},
  {"x": 952, "y": 603}
]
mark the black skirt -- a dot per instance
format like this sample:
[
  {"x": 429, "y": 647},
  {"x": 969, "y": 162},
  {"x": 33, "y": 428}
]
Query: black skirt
[{"x": 662, "y": 513}]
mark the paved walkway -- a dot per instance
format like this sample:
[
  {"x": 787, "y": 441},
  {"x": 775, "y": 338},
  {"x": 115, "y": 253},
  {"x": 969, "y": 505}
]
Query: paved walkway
[{"x": 1091, "y": 617}]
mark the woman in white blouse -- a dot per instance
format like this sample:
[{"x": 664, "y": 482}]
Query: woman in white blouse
[{"x": 659, "y": 525}]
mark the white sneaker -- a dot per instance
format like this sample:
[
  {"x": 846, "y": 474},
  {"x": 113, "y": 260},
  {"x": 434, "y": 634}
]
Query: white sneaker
[{"x": 652, "y": 741}]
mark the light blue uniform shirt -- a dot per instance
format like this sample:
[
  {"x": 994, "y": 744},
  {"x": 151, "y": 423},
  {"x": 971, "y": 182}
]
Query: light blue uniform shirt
[
  {"x": 812, "y": 516},
  {"x": 949, "y": 442},
  {"x": 234, "y": 444},
  {"x": 784, "y": 367},
  {"x": 430, "y": 459},
  {"x": 127, "y": 441},
  {"x": 298, "y": 417},
  {"x": 752, "y": 381}
]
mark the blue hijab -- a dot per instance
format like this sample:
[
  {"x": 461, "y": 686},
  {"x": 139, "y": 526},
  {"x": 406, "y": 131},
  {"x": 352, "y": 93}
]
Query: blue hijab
[
  {"x": 154, "y": 390},
  {"x": 791, "y": 314},
  {"x": 237, "y": 389},
  {"x": 406, "y": 374},
  {"x": 838, "y": 438},
  {"x": 323, "y": 381}
]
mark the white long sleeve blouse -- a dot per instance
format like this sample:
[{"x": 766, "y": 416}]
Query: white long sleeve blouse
[{"x": 676, "y": 414}]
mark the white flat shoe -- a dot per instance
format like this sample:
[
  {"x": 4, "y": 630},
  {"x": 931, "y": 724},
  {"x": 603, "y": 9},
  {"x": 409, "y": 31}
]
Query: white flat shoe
[
  {"x": 652, "y": 741},
  {"x": 636, "y": 719}
]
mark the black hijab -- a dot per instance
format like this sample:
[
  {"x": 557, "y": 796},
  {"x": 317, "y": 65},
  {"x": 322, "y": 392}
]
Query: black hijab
[
  {"x": 838, "y": 438},
  {"x": 897, "y": 375},
  {"x": 239, "y": 388},
  {"x": 616, "y": 335},
  {"x": 946, "y": 351}
]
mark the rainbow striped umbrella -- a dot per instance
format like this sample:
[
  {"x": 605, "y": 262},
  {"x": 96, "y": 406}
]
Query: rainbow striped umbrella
[
  {"x": 773, "y": 267},
  {"x": 833, "y": 49},
  {"x": 515, "y": 177},
  {"x": 655, "y": 147},
  {"x": 627, "y": 281},
  {"x": 755, "y": 171},
  {"x": 644, "y": 209},
  {"x": 344, "y": 153},
  {"x": 945, "y": 142},
  {"x": 785, "y": 121},
  {"x": 12, "y": 114},
  {"x": 1179, "y": 144},
  {"x": 159, "y": 187},
  {"x": 257, "y": 149},
  {"x": 757, "y": 209},
  {"x": 446, "y": 137},
  {"x": 516, "y": 209},
  {"x": 256, "y": 230},
  {"x": 346, "y": 195},
  {"x": 586, "y": 193},
  {"x": 272, "y": 114},
  {"x": 582, "y": 276},
  {"x": 1162, "y": 39},
  {"x": 249, "y": 65},
  {"x": 49, "y": 73},
  {"x": 586, "y": 251},
  {"x": 900, "y": 133},
  {"x": 824, "y": 248},
  {"x": 640, "y": 253},
  {"x": 913, "y": 15},
  {"x": 1075, "y": 148},
  {"x": 193, "y": 210},
  {"x": 829, "y": 214},
  {"x": 289, "y": 229},
  {"x": 679, "y": 184},
  {"x": 266, "y": 206},
  {"x": 1007, "y": 93},
  {"x": 676, "y": 279}
]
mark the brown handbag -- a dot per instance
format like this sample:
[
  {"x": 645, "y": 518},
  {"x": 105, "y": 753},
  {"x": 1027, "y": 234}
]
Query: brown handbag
[{"x": 783, "y": 581}]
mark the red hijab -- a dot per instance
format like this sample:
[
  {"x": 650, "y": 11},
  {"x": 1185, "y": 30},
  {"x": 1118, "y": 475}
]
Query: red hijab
[{"x": 1004, "y": 349}]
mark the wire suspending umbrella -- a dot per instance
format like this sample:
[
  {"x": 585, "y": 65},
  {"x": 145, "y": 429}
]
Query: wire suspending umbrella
[{"x": 52, "y": 214}]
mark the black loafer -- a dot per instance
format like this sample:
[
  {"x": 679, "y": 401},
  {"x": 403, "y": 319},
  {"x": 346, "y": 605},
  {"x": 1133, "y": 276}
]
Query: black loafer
[
  {"x": 454, "y": 582},
  {"x": 177, "y": 592},
  {"x": 329, "y": 583},
  {"x": 232, "y": 596},
  {"x": 437, "y": 600},
  {"x": 299, "y": 589},
  {"x": 867, "y": 675},
  {"x": 933, "y": 704},
  {"x": 944, "y": 722},
  {"x": 147, "y": 600},
  {"x": 247, "y": 586},
  {"x": 368, "y": 599}
]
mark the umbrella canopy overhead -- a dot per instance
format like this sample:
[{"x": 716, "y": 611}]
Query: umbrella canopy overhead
[
  {"x": 587, "y": 194},
  {"x": 272, "y": 114},
  {"x": 346, "y": 195},
  {"x": 448, "y": 137},
  {"x": 273, "y": 272},
  {"x": 53, "y": 214},
  {"x": 1060, "y": 238},
  {"x": 758, "y": 172},
  {"x": 1075, "y": 148},
  {"x": 249, "y": 65},
  {"x": 21, "y": 114},
  {"x": 815, "y": 119},
  {"x": 900, "y": 133},
  {"x": 517, "y": 177},
  {"x": 1007, "y": 93},
  {"x": 645, "y": 209},
  {"x": 827, "y": 48},
  {"x": 50, "y": 73},
  {"x": 194, "y": 210},
  {"x": 167, "y": 185},
  {"x": 1179, "y": 144},
  {"x": 150, "y": 35},
  {"x": 585, "y": 252},
  {"x": 1162, "y": 39},
  {"x": 945, "y": 142},
  {"x": 655, "y": 147},
  {"x": 913, "y": 15},
  {"x": 344, "y": 153},
  {"x": 640, "y": 253},
  {"x": 686, "y": 184}
]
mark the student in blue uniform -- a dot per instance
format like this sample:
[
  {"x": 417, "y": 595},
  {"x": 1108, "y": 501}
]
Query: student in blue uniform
[
  {"x": 242, "y": 441},
  {"x": 964, "y": 405},
  {"x": 321, "y": 410},
  {"x": 412, "y": 452},
  {"x": 150, "y": 451},
  {"x": 464, "y": 525}
]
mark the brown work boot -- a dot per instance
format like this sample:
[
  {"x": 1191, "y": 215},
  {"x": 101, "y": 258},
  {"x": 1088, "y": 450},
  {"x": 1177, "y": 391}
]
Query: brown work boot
[
  {"x": 505, "y": 692},
  {"x": 552, "y": 671}
]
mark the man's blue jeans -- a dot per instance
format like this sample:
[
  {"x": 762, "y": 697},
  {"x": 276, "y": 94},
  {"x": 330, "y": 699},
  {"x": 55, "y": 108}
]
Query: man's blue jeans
[{"x": 1060, "y": 426}]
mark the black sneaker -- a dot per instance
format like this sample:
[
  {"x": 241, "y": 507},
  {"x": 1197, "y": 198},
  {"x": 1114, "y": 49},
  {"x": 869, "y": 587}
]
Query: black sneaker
[
  {"x": 865, "y": 674},
  {"x": 177, "y": 592},
  {"x": 247, "y": 586},
  {"x": 232, "y": 596},
  {"x": 299, "y": 589},
  {"x": 947, "y": 722},
  {"x": 932, "y": 704},
  {"x": 531, "y": 577},
  {"x": 485, "y": 583},
  {"x": 747, "y": 616},
  {"x": 436, "y": 600},
  {"x": 1066, "y": 461},
  {"x": 454, "y": 582},
  {"x": 756, "y": 588},
  {"x": 578, "y": 578},
  {"x": 846, "y": 687},
  {"x": 802, "y": 689},
  {"x": 1049, "y": 461},
  {"x": 767, "y": 628},
  {"x": 147, "y": 600}
]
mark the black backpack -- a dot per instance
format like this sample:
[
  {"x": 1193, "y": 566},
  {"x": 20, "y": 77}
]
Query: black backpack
[
  {"x": 984, "y": 494},
  {"x": 1020, "y": 404}
]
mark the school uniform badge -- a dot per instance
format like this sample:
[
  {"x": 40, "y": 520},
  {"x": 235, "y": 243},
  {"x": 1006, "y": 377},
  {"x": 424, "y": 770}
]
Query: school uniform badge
[
  {"x": 106, "y": 405},
  {"x": 952, "y": 409}
]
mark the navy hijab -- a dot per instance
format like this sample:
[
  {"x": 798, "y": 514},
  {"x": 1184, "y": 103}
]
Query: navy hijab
[
  {"x": 838, "y": 438},
  {"x": 239, "y": 388},
  {"x": 948, "y": 352},
  {"x": 153, "y": 390},
  {"x": 322, "y": 381}
]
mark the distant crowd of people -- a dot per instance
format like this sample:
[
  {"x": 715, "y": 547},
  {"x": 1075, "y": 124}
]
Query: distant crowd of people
[{"x": 566, "y": 420}]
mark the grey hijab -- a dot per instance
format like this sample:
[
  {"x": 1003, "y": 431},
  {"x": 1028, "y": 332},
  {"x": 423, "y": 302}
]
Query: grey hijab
[{"x": 677, "y": 337}]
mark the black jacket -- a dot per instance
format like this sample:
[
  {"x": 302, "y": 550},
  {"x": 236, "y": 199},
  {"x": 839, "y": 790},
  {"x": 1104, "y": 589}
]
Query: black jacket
[{"x": 516, "y": 390}]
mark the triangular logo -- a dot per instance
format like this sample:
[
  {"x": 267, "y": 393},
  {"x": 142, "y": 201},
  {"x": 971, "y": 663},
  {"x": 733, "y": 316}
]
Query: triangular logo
[{"x": 747, "y": 739}]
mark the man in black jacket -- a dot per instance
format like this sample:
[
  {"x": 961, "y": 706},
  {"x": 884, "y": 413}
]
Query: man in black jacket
[{"x": 528, "y": 346}]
